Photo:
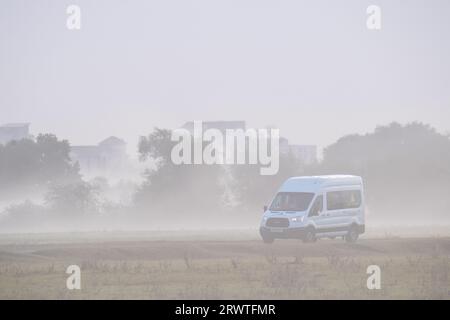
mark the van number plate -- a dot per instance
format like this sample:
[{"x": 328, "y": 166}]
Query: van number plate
[{"x": 276, "y": 229}]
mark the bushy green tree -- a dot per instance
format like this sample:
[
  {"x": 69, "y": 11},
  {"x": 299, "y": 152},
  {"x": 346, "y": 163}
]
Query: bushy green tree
[
  {"x": 73, "y": 198},
  {"x": 406, "y": 169},
  {"x": 28, "y": 165}
]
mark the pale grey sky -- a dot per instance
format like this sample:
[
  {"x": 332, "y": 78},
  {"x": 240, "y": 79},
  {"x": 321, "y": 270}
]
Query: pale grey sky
[{"x": 311, "y": 68}]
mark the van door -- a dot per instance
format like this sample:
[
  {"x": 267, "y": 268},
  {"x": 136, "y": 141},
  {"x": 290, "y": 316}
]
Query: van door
[
  {"x": 316, "y": 213},
  {"x": 326, "y": 219}
]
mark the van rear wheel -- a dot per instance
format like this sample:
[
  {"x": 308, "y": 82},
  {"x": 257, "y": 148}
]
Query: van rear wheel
[{"x": 352, "y": 234}]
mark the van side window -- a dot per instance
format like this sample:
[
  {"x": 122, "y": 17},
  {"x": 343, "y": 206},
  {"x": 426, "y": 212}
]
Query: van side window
[
  {"x": 317, "y": 207},
  {"x": 348, "y": 199}
]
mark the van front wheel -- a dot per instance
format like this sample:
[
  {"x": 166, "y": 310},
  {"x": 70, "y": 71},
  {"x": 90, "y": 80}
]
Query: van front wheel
[
  {"x": 310, "y": 235},
  {"x": 268, "y": 239},
  {"x": 352, "y": 234}
]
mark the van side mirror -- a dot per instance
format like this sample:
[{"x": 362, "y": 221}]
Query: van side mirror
[{"x": 265, "y": 208}]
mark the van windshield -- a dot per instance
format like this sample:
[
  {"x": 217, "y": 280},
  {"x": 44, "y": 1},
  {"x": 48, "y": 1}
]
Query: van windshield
[{"x": 291, "y": 201}]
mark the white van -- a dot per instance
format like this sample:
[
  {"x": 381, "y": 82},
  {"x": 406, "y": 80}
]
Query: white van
[{"x": 319, "y": 206}]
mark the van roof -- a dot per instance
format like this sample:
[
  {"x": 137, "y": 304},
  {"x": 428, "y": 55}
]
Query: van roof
[{"x": 313, "y": 183}]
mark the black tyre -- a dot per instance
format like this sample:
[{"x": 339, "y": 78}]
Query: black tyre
[
  {"x": 352, "y": 234},
  {"x": 310, "y": 235}
]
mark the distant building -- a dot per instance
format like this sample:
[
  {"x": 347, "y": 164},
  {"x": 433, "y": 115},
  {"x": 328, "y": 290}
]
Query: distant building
[
  {"x": 108, "y": 158},
  {"x": 306, "y": 154},
  {"x": 222, "y": 126},
  {"x": 14, "y": 131}
]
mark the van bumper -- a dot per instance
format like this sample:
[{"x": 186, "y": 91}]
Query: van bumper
[{"x": 285, "y": 233}]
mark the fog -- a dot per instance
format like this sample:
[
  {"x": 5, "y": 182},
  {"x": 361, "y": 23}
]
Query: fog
[
  {"x": 373, "y": 103},
  {"x": 404, "y": 171}
]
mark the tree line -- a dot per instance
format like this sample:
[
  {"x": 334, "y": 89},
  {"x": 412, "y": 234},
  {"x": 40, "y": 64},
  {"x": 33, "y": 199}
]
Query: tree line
[{"x": 405, "y": 169}]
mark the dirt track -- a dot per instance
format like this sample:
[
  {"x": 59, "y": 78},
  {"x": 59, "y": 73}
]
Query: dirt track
[{"x": 168, "y": 250}]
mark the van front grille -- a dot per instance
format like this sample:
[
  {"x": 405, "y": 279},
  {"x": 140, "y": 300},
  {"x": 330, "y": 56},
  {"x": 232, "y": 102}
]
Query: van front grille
[{"x": 278, "y": 222}]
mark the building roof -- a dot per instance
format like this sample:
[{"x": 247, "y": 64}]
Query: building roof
[
  {"x": 83, "y": 148},
  {"x": 112, "y": 141},
  {"x": 108, "y": 142},
  {"x": 15, "y": 125}
]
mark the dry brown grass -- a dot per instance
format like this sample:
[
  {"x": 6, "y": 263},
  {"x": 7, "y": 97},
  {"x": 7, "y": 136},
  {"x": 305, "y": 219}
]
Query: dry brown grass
[{"x": 228, "y": 270}]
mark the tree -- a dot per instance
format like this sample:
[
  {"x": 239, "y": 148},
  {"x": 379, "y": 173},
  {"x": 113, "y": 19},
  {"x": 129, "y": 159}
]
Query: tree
[
  {"x": 27, "y": 165},
  {"x": 177, "y": 190},
  {"x": 157, "y": 146},
  {"x": 76, "y": 198},
  {"x": 405, "y": 169}
]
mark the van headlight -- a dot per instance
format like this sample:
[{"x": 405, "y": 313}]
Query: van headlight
[{"x": 298, "y": 219}]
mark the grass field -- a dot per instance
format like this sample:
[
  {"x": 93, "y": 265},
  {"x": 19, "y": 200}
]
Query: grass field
[{"x": 142, "y": 266}]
